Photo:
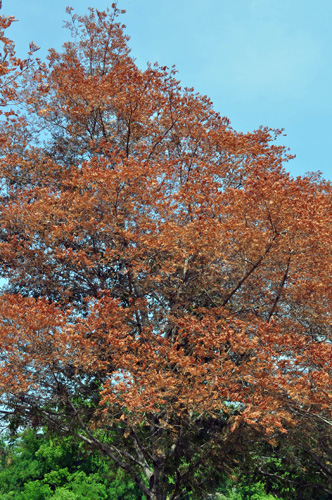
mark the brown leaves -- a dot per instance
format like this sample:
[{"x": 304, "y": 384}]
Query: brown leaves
[{"x": 162, "y": 269}]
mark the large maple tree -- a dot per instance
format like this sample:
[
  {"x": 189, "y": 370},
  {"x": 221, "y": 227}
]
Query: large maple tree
[{"x": 167, "y": 283}]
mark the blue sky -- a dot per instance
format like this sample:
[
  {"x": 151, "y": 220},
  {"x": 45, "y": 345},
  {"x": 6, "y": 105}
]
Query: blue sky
[{"x": 262, "y": 62}]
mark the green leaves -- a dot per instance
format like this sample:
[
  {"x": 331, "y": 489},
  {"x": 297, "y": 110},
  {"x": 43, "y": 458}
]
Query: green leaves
[{"x": 37, "y": 467}]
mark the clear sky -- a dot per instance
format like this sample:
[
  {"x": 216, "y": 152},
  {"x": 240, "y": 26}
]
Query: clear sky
[{"x": 262, "y": 62}]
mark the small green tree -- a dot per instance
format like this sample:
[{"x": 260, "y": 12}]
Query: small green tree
[{"x": 35, "y": 466}]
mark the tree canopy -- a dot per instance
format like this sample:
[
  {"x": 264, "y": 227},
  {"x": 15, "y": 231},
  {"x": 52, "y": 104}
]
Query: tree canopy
[{"x": 167, "y": 295}]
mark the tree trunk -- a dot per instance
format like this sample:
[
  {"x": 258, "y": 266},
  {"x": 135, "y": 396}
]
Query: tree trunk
[{"x": 158, "y": 495}]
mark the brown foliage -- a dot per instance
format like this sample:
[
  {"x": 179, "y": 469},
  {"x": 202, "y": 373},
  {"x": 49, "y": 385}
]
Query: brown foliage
[{"x": 168, "y": 283}]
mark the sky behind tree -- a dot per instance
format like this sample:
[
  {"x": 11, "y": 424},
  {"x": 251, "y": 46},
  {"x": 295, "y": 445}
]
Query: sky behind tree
[{"x": 261, "y": 62}]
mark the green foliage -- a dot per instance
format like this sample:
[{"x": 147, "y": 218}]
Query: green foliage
[
  {"x": 243, "y": 490},
  {"x": 38, "y": 467},
  {"x": 293, "y": 469}
]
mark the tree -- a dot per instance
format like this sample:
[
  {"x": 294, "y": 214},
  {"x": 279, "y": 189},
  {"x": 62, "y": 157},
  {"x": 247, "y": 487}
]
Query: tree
[
  {"x": 36, "y": 466},
  {"x": 168, "y": 288}
]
